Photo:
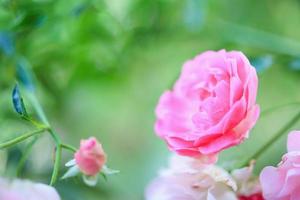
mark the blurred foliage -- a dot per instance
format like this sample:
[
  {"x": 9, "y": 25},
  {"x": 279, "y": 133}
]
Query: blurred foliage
[{"x": 100, "y": 66}]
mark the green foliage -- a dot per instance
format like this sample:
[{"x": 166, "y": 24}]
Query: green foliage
[{"x": 101, "y": 65}]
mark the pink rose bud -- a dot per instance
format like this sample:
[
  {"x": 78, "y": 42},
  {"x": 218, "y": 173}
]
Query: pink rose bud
[
  {"x": 90, "y": 157},
  {"x": 283, "y": 182},
  {"x": 212, "y": 105}
]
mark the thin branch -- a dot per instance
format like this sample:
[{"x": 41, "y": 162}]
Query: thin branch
[
  {"x": 56, "y": 164},
  {"x": 69, "y": 147},
  {"x": 21, "y": 138}
]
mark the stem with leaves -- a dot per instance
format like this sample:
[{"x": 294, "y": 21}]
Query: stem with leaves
[{"x": 42, "y": 126}]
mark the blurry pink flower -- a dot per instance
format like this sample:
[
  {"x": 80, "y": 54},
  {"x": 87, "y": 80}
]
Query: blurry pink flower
[
  {"x": 212, "y": 105},
  {"x": 26, "y": 190},
  {"x": 283, "y": 182},
  {"x": 90, "y": 158},
  {"x": 190, "y": 179}
]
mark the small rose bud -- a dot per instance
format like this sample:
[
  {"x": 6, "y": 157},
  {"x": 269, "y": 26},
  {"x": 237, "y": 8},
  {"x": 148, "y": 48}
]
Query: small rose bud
[{"x": 90, "y": 158}]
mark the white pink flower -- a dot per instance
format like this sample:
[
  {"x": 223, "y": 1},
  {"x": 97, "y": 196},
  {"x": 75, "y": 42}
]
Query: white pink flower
[
  {"x": 248, "y": 184},
  {"x": 26, "y": 190},
  {"x": 190, "y": 179}
]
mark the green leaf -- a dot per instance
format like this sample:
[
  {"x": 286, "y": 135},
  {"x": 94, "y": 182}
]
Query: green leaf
[
  {"x": 18, "y": 102},
  {"x": 73, "y": 171},
  {"x": 104, "y": 176},
  {"x": 70, "y": 163},
  {"x": 90, "y": 180},
  {"x": 107, "y": 171}
]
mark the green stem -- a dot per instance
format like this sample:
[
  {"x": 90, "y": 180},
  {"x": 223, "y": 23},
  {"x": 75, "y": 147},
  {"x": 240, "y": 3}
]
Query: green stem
[
  {"x": 36, "y": 123},
  {"x": 282, "y": 131},
  {"x": 55, "y": 137},
  {"x": 58, "y": 144},
  {"x": 69, "y": 147},
  {"x": 40, "y": 112},
  {"x": 21, "y": 138},
  {"x": 56, "y": 164}
]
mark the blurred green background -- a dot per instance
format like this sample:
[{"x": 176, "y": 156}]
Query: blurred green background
[{"x": 101, "y": 65}]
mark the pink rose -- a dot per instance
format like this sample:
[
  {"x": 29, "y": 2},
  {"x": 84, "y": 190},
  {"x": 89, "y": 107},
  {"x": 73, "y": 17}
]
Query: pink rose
[
  {"x": 90, "y": 157},
  {"x": 283, "y": 182},
  {"x": 211, "y": 106},
  {"x": 26, "y": 190}
]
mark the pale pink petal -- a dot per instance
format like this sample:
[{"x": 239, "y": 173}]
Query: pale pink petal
[
  {"x": 251, "y": 87},
  {"x": 242, "y": 64},
  {"x": 249, "y": 121},
  {"x": 291, "y": 182},
  {"x": 293, "y": 143},
  {"x": 236, "y": 90},
  {"x": 271, "y": 181},
  {"x": 26, "y": 190}
]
